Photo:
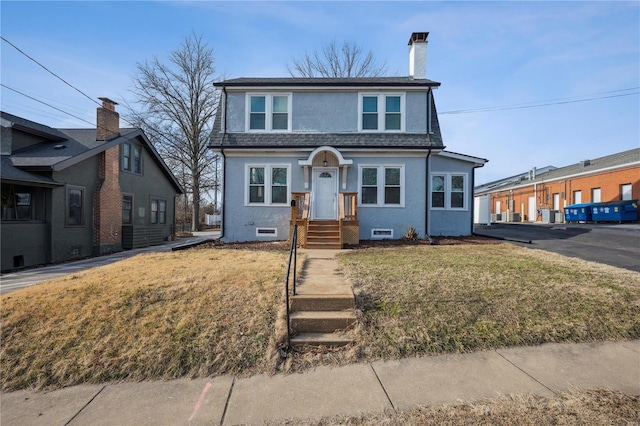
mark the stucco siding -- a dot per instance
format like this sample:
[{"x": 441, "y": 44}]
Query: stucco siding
[
  {"x": 452, "y": 222},
  {"x": 322, "y": 112},
  {"x": 240, "y": 220},
  {"x": 327, "y": 112},
  {"x": 235, "y": 111},
  {"x": 397, "y": 219},
  {"x": 416, "y": 107}
]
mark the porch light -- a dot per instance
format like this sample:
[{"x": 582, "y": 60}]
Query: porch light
[{"x": 324, "y": 163}]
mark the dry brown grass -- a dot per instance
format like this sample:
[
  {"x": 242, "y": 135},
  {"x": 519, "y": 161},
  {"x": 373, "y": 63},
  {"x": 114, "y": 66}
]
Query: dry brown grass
[
  {"x": 577, "y": 407},
  {"x": 425, "y": 300},
  {"x": 441, "y": 299},
  {"x": 217, "y": 311},
  {"x": 154, "y": 316}
]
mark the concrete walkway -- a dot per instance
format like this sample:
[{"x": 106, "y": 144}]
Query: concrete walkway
[
  {"x": 325, "y": 391},
  {"x": 16, "y": 280}
]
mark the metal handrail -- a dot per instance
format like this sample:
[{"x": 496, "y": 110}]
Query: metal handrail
[{"x": 293, "y": 253}]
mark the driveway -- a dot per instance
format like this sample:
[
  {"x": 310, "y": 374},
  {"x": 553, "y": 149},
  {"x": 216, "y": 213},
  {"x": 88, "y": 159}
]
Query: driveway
[
  {"x": 17, "y": 280},
  {"x": 612, "y": 244}
]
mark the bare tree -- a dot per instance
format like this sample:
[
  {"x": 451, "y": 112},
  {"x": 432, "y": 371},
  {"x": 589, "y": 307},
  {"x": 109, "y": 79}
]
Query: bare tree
[
  {"x": 332, "y": 61},
  {"x": 176, "y": 108}
]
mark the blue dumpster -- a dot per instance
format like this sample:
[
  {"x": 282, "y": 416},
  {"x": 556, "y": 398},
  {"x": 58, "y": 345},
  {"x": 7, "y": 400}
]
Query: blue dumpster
[
  {"x": 617, "y": 211},
  {"x": 578, "y": 213}
]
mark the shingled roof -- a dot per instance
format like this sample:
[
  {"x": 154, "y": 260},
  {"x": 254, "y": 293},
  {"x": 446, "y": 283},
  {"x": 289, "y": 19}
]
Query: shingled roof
[
  {"x": 619, "y": 159},
  {"x": 328, "y": 82},
  {"x": 61, "y": 148}
]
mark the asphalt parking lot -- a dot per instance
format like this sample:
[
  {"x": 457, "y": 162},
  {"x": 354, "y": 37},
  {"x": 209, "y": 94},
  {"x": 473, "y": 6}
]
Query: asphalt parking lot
[{"x": 612, "y": 244}]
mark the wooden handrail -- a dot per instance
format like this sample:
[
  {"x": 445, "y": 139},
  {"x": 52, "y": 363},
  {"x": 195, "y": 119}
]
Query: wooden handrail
[
  {"x": 348, "y": 209},
  {"x": 300, "y": 206}
]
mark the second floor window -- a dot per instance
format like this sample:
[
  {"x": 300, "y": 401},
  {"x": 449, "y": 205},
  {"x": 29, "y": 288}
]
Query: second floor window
[
  {"x": 381, "y": 112},
  {"x": 269, "y": 112},
  {"x": 131, "y": 158}
]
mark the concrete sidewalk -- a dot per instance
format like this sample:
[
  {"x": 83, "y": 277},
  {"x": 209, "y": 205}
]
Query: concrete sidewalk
[
  {"x": 325, "y": 391},
  {"x": 16, "y": 280}
]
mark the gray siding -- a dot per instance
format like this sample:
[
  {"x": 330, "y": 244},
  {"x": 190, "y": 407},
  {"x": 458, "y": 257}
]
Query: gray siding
[
  {"x": 236, "y": 108},
  {"x": 321, "y": 112},
  {"x": 416, "y": 112},
  {"x": 328, "y": 112},
  {"x": 452, "y": 222},
  {"x": 241, "y": 221},
  {"x": 396, "y": 218},
  {"x": 68, "y": 242},
  {"x": 151, "y": 184},
  {"x": 29, "y": 240}
]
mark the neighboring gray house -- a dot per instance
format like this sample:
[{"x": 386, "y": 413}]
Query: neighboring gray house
[
  {"x": 71, "y": 193},
  {"x": 345, "y": 158}
]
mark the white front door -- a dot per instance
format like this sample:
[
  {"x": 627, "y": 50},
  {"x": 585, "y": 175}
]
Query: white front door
[
  {"x": 325, "y": 194},
  {"x": 533, "y": 212}
]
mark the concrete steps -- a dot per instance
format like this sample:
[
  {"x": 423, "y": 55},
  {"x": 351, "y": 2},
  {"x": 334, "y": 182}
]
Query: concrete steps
[
  {"x": 323, "y": 234},
  {"x": 321, "y": 321},
  {"x": 324, "y": 304}
]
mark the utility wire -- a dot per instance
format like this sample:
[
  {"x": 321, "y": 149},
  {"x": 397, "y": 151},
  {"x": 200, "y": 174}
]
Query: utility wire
[
  {"x": 548, "y": 102},
  {"x": 44, "y": 103},
  {"x": 49, "y": 71}
]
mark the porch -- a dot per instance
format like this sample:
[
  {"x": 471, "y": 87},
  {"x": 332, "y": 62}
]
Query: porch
[{"x": 325, "y": 233}]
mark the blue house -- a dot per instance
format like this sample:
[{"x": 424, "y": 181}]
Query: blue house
[{"x": 348, "y": 159}]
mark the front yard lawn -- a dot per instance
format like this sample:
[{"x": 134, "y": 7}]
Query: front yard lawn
[
  {"x": 461, "y": 298},
  {"x": 213, "y": 311}
]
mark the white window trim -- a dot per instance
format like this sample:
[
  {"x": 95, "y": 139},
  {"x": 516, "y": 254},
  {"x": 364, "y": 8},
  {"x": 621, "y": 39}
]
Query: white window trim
[
  {"x": 447, "y": 191},
  {"x": 267, "y": 184},
  {"x": 268, "y": 112},
  {"x": 380, "y": 184},
  {"x": 382, "y": 111}
]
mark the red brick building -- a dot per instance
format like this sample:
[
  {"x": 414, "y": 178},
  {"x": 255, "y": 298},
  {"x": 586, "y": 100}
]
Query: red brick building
[{"x": 536, "y": 195}]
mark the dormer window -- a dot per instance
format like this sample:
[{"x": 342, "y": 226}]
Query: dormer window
[
  {"x": 269, "y": 112},
  {"x": 381, "y": 112}
]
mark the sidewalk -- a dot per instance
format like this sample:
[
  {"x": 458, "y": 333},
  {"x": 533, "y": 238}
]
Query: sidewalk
[
  {"x": 325, "y": 391},
  {"x": 17, "y": 280}
]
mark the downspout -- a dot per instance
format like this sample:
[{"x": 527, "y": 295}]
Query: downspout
[
  {"x": 427, "y": 200},
  {"x": 473, "y": 198},
  {"x": 224, "y": 166}
]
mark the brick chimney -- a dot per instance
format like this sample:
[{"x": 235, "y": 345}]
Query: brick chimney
[
  {"x": 107, "y": 120},
  {"x": 107, "y": 198},
  {"x": 418, "y": 55}
]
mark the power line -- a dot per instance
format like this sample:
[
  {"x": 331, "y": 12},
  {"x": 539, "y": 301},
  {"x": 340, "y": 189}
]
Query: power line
[
  {"x": 44, "y": 103},
  {"x": 49, "y": 71},
  {"x": 536, "y": 104}
]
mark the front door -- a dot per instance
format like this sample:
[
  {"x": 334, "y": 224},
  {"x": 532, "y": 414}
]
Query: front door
[{"x": 325, "y": 193}]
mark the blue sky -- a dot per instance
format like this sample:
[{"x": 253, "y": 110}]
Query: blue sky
[{"x": 485, "y": 54}]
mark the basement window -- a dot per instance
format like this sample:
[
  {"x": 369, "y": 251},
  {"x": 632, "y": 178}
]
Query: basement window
[
  {"x": 266, "y": 232},
  {"x": 378, "y": 234}
]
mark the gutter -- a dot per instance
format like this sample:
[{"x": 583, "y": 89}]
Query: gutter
[
  {"x": 224, "y": 166},
  {"x": 426, "y": 210}
]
